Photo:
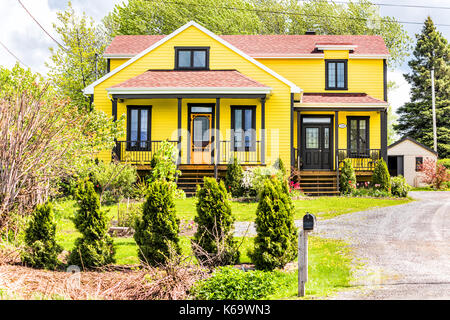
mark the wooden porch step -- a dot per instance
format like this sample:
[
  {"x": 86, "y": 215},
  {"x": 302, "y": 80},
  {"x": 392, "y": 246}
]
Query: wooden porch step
[{"x": 316, "y": 193}]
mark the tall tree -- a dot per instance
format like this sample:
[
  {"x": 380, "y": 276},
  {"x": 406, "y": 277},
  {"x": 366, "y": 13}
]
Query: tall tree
[
  {"x": 79, "y": 62},
  {"x": 415, "y": 117},
  {"x": 259, "y": 17}
]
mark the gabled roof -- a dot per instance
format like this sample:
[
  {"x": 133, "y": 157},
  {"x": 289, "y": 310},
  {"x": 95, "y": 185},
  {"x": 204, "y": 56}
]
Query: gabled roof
[
  {"x": 339, "y": 98},
  {"x": 260, "y": 46},
  {"x": 414, "y": 141},
  {"x": 294, "y": 88},
  {"x": 162, "y": 81}
]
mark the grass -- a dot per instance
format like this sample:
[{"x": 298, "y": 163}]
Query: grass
[
  {"x": 329, "y": 260},
  {"x": 322, "y": 207},
  {"x": 329, "y": 271}
]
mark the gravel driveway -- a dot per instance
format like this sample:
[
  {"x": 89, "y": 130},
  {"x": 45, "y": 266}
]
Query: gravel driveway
[{"x": 405, "y": 249}]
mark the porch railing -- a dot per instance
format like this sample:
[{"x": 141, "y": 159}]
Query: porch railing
[
  {"x": 137, "y": 152},
  {"x": 361, "y": 160},
  {"x": 249, "y": 156}
]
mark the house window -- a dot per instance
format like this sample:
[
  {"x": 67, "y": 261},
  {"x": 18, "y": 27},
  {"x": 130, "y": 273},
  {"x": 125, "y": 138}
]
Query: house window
[
  {"x": 336, "y": 74},
  {"x": 358, "y": 136},
  {"x": 191, "y": 58},
  {"x": 243, "y": 126},
  {"x": 419, "y": 163},
  {"x": 138, "y": 128}
]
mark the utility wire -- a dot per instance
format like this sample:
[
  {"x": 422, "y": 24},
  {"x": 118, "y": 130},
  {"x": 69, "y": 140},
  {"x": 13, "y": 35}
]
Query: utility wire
[
  {"x": 12, "y": 54},
  {"x": 29, "y": 13},
  {"x": 386, "y": 4},
  {"x": 289, "y": 13}
]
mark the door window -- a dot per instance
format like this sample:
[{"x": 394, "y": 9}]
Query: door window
[
  {"x": 312, "y": 138},
  {"x": 138, "y": 128}
]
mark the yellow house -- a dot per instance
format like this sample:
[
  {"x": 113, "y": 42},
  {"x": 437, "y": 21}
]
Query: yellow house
[{"x": 311, "y": 100}]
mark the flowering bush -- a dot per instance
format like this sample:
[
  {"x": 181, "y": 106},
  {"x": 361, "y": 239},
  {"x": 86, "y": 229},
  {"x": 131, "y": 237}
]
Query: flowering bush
[
  {"x": 253, "y": 179},
  {"x": 434, "y": 173}
]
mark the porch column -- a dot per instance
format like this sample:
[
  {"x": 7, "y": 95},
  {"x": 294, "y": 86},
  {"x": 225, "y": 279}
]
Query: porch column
[
  {"x": 336, "y": 135},
  {"x": 383, "y": 121},
  {"x": 116, "y": 150},
  {"x": 217, "y": 138},
  {"x": 179, "y": 131},
  {"x": 292, "y": 132},
  {"x": 299, "y": 130},
  {"x": 263, "y": 131}
]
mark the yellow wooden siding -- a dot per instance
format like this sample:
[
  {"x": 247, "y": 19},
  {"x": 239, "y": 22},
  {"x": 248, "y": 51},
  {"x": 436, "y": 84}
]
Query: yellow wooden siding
[
  {"x": 221, "y": 57},
  {"x": 114, "y": 63},
  {"x": 364, "y": 75}
]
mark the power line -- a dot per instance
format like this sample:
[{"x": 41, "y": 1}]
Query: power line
[
  {"x": 12, "y": 54},
  {"x": 388, "y": 5},
  {"x": 29, "y": 13},
  {"x": 291, "y": 13}
]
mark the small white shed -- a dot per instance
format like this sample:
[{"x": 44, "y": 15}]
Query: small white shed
[{"x": 405, "y": 157}]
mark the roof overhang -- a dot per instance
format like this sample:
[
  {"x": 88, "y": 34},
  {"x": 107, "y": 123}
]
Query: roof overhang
[
  {"x": 191, "y": 90},
  {"x": 118, "y": 55},
  {"x": 340, "y": 106},
  {"x": 368, "y": 56},
  {"x": 336, "y": 46}
]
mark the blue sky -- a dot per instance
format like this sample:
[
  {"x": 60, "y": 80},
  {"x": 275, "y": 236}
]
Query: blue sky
[{"x": 30, "y": 44}]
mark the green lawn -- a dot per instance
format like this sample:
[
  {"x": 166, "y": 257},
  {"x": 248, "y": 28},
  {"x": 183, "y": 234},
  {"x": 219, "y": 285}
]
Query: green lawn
[
  {"x": 322, "y": 207},
  {"x": 329, "y": 260}
]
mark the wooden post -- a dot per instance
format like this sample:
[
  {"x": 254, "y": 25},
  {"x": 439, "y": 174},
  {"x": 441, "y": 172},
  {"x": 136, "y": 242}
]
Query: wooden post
[{"x": 302, "y": 261}]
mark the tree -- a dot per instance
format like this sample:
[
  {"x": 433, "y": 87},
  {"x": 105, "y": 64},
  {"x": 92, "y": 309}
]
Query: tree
[
  {"x": 43, "y": 137},
  {"x": 259, "y": 17},
  {"x": 213, "y": 243},
  {"x": 233, "y": 178},
  {"x": 415, "y": 117},
  {"x": 276, "y": 240},
  {"x": 381, "y": 177},
  {"x": 79, "y": 62},
  {"x": 157, "y": 231},
  {"x": 95, "y": 247},
  {"x": 434, "y": 173},
  {"x": 347, "y": 178},
  {"x": 41, "y": 249}
]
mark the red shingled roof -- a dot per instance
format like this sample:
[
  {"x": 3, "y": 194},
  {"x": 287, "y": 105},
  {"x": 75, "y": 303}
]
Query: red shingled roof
[
  {"x": 263, "y": 45},
  {"x": 190, "y": 79},
  {"x": 340, "y": 98}
]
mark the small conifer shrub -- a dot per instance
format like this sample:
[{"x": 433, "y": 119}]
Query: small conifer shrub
[
  {"x": 276, "y": 240},
  {"x": 233, "y": 178},
  {"x": 213, "y": 243},
  {"x": 157, "y": 230},
  {"x": 95, "y": 247},
  {"x": 347, "y": 178},
  {"x": 381, "y": 178},
  {"x": 41, "y": 249}
]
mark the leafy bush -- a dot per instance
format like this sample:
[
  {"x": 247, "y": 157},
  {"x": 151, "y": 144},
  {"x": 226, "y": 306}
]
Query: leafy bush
[
  {"x": 213, "y": 243},
  {"x": 399, "y": 187},
  {"x": 114, "y": 180},
  {"x": 370, "y": 192},
  {"x": 233, "y": 178},
  {"x": 163, "y": 163},
  {"x": 347, "y": 178},
  {"x": 276, "y": 240},
  {"x": 229, "y": 283},
  {"x": 95, "y": 247},
  {"x": 41, "y": 250},
  {"x": 434, "y": 174},
  {"x": 445, "y": 163},
  {"x": 381, "y": 178},
  {"x": 254, "y": 178},
  {"x": 279, "y": 165},
  {"x": 157, "y": 229}
]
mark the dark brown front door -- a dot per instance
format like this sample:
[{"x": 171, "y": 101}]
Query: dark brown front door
[{"x": 317, "y": 151}]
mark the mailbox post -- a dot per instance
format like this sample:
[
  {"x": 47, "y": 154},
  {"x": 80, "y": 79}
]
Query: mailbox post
[{"x": 308, "y": 226}]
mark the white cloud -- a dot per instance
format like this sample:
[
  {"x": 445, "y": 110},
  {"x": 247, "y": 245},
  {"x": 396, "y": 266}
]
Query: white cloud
[
  {"x": 400, "y": 94},
  {"x": 27, "y": 40}
]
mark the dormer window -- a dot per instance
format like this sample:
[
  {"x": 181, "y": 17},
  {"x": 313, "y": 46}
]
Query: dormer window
[
  {"x": 191, "y": 58},
  {"x": 335, "y": 74}
]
